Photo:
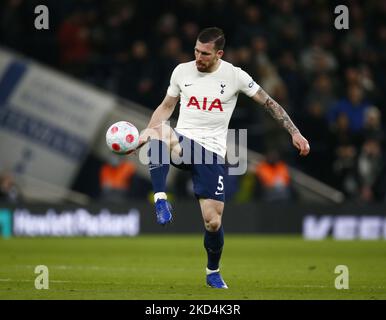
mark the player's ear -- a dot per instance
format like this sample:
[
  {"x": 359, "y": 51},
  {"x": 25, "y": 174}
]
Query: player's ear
[{"x": 219, "y": 53}]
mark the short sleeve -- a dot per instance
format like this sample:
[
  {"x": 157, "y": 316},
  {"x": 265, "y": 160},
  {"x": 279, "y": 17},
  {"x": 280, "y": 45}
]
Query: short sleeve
[
  {"x": 246, "y": 84},
  {"x": 174, "y": 88}
]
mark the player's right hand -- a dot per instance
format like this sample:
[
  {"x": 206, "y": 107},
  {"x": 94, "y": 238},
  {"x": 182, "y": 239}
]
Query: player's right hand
[
  {"x": 141, "y": 142},
  {"x": 301, "y": 143}
]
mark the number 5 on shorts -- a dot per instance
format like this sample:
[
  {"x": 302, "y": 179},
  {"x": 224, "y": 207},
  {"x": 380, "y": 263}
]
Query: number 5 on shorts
[{"x": 220, "y": 186}]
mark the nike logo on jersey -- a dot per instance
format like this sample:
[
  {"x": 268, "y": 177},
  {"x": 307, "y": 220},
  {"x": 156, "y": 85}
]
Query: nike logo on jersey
[
  {"x": 218, "y": 193},
  {"x": 188, "y": 84}
]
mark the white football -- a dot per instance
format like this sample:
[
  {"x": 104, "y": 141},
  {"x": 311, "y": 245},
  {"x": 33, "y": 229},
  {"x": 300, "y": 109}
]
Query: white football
[{"x": 122, "y": 137}]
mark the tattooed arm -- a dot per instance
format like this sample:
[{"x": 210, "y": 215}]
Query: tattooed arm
[
  {"x": 281, "y": 116},
  {"x": 276, "y": 111}
]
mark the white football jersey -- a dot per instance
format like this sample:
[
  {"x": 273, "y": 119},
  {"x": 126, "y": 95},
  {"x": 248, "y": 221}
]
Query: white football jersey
[{"x": 207, "y": 101}]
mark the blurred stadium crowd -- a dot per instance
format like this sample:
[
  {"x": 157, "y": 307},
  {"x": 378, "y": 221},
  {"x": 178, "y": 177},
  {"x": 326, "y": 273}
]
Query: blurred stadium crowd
[{"x": 332, "y": 82}]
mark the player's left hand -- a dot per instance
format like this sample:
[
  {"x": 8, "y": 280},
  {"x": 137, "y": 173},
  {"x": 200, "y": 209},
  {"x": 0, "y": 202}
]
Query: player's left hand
[{"x": 301, "y": 143}]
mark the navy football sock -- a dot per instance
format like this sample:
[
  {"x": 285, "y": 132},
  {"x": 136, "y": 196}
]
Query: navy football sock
[
  {"x": 158, "y": 164},
  {"x": 214, "y": 242}
]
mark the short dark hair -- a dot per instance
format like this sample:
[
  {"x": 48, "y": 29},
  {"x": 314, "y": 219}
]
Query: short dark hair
[{"x": 212, "y": 34}]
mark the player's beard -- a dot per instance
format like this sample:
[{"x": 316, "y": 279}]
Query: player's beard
[{"x": 202, "y": 67}]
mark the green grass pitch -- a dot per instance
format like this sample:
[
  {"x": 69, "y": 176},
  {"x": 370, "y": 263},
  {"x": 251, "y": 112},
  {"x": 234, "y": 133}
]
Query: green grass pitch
[{"x": 171, "y": 267}]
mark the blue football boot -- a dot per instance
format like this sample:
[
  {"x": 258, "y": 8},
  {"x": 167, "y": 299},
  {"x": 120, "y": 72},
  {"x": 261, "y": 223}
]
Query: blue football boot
[
  {"x": 163, "y": 211},
  {"x": 215, "y": 280}
]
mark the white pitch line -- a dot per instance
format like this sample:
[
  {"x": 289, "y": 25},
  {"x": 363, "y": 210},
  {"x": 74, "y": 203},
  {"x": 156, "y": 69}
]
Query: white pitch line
[
  {"x": 81, "y": 267},
  {"x": 57, "y": 281}
]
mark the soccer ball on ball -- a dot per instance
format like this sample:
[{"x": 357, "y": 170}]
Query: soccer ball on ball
[{"x": 122, "y": 137}]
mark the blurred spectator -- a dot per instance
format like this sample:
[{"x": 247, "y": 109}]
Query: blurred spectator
[
  {"x": 287, "y": 27},
  {"x": 322, "y": 92},
  {"x": 137, "y": 75},
  {"x": 259, "y": 46},
  {"x": 344, "y": 146},
  {"x": 372, "y": 127},
  {"x": 288, "y": 70},
  {"x": 352, "y": 76},
  {"x": 244, "y": 58},
  {"x": 340, "y": 133},
  {"x": 115, "y": 179},
  {"x": 250, "y": 26},
  {"x": 165, "y": 27},
  {"x": 370, "y": 167},
  {"x": 190, "y": 31},
  {"x": 368, "y": 83},
  {"x": 115, "y": 31},
  {"x": 356, "y": 38},
  {"x": 313, "y": 125},
  {"x": 74, "y": 44},
  {"x": 344, "y": 170},
  {"x": 274, "y": 180},
  {"x": 353, "y": 105},
  {"x": 9, "y": 190},
  {"x": 315, "y": 59}
]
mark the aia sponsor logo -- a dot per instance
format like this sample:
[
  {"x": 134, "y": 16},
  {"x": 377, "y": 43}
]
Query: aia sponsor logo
[{"x": 206, "y": 105}]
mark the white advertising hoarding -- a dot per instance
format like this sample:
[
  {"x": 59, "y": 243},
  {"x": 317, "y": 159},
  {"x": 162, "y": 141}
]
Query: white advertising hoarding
[{"x": 48, "y": 121}]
